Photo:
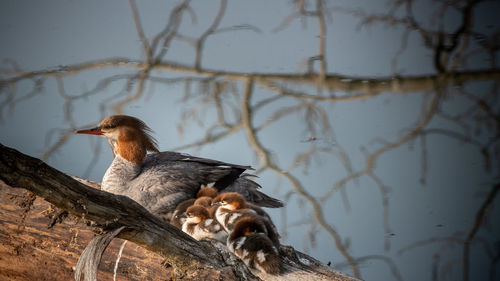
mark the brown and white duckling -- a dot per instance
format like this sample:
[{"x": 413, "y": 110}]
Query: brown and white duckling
[
  {"x": 249, "y": 242},
  {"x": 207, "y": 191},
  {"x": 178, "y": 218},
  {"x": 199, "y": 225},
  {"x": 232, "y": 206}
]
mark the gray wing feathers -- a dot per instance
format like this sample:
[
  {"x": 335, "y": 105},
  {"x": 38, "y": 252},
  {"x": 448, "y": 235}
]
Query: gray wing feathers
[
  {"x": 176, "y": 156},
  {"x": 161, "y": 187},
  {"x": 168, "y": 178}
]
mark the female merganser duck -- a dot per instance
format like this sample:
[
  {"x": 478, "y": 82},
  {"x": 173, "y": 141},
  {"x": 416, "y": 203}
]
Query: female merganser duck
[{"x": 159, "y": 181}]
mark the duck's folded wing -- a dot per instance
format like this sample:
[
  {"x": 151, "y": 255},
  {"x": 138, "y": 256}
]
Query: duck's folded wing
[
  {"x": 225, "y": 177},
  {"x": 177, "y": 156},
  {"x": 193, "y": 171}
]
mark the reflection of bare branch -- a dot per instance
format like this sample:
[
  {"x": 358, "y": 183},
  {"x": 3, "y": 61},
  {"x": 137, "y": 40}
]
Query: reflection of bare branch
[
  {"x": 448, "y": 48},
  {"x": 170, "y": 30},
  {"x": 321, "y": 40},
  {"x": 140, "y": 31},
  {"x": 480, "y": 217},
  {"x": 368, "y": 19},
  {"x": 238, "y": 27},
  {"x": 371, "y": 158},
  {"x": 211, "y": 29},
  {"x": 67, "y": 70},
  {"x": 371, "y": 86},
  {"x": 278, "y": 114},
  {"x": 318, "y": 13},
  {"x": 65, "y": 134},
  {"x": 286, "y": 22},
  {"x": 142, "y": 77},
  {"x": 370, "y": 161},
  {"x": 402, "y": 48},
  {"x": 12, "y": 100},
  {"x": 385, "y": 205},
  {"x": 68, "y": 105}
]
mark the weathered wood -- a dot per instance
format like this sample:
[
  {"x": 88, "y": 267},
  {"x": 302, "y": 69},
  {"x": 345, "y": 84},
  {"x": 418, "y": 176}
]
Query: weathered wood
[
  {"x": 190, "y": 257},
  {"x": 29, "y": 250}
]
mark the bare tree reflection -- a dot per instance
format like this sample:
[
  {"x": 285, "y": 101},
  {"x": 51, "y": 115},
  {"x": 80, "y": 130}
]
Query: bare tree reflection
[{"x": 230, "y": 94}]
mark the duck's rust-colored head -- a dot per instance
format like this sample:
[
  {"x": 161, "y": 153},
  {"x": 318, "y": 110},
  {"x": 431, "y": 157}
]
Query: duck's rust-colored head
[{"x": 128, "y": 136}]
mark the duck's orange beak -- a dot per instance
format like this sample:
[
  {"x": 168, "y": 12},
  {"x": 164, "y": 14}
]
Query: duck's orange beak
[{"x": 93, "y": 131}]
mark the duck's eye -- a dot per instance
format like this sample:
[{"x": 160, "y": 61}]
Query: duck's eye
[{"x": 108, "y": 127}]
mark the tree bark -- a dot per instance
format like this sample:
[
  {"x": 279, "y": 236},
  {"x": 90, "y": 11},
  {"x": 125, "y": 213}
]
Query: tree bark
[{"x": 190, "y": 258}]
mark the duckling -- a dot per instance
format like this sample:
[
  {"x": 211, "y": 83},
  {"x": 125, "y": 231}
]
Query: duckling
[
  {"x": 199, "y": 225},
  {"x": 233, "y": 206},
  {"x": 249, "y": 242}
]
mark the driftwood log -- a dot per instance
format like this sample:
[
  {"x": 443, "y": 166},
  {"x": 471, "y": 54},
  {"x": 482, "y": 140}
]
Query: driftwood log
[{"x": 190, "y": 258}]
